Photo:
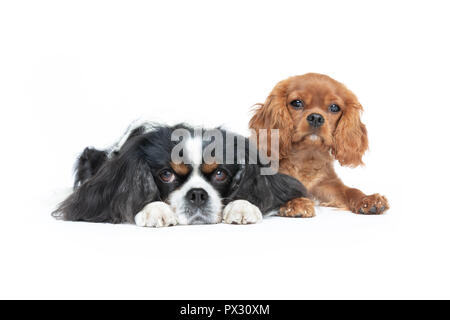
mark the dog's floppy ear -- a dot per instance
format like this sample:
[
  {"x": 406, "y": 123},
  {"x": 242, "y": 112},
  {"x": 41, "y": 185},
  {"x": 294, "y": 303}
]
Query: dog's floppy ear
[
  {"x": 267, "y": 192},
  {"x": 274, "y": 114},
  {"x": 88, "y": 164},
  {"x": 118, "y": 191},
  {"x": 350, "y": 137}
]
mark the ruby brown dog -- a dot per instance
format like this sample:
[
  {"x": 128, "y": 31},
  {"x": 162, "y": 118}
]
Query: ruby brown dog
[{"x": 318, "y": 120}]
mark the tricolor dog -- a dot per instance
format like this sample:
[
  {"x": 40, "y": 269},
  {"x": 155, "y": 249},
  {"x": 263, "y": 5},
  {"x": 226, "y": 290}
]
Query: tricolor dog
[{"x": 158, "y": 176}]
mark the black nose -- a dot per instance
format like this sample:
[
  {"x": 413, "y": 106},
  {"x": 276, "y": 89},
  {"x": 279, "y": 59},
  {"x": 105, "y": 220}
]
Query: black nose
[
  {"x": 197, "y": 197},
  {"x": 315, "y": 120}
]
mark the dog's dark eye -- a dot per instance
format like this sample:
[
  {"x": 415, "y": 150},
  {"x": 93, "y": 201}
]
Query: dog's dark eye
[
  {"x": 334, "y": 108},
  {"x": 167, "y": 176},
  {"x": 297, "y": 104},
  {"x": 220, "y": 175}
]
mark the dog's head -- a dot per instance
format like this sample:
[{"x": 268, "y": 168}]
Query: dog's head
[
  {"x": 196, "y": 188},
  {"x": 315, "y": 110}
]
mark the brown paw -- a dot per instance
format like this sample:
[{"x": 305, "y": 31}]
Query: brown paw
[
  {"x": 300, "y": 207},
  {"x": 374, "y": 204}
]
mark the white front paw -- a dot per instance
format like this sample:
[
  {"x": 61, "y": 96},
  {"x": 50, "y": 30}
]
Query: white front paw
[
  {"x": 241, "y": 212},
  {"x": 156, "y": 214}
]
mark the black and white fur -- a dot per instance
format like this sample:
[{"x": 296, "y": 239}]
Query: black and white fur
[{"x": 125, "y": 185}]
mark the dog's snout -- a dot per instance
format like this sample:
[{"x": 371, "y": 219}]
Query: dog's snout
[
  {"x": 316, "y": 120},
  {"x": 197, "y": 197}
]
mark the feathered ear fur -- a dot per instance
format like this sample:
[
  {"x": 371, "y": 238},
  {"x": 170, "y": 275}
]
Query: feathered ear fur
[
  {"x": 118, "y": 191},
  {"x": 267, "y": 192},
  {"x": 350, "y": 137},
  {"x": 88, "y": 164},
  {"x": 273, "y": 114}
]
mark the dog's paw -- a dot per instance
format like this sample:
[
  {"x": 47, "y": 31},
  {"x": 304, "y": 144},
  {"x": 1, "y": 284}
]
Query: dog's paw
[
  {"x": 299, "y": 207},
  {"x": 374, "y": 204},
  {"x": 241, "y": 212},
  {"x": 156, "y": 214}
]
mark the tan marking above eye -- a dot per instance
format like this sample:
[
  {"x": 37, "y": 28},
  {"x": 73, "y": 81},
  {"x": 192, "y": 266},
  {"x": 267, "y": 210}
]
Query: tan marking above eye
[
  {"x": 180, "y": 168},
  {"x": 209, "y": 168}
]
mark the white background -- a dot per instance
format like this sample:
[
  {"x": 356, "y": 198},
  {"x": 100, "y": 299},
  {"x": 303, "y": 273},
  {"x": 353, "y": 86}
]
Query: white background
[{"x": 75, "y": 73}]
